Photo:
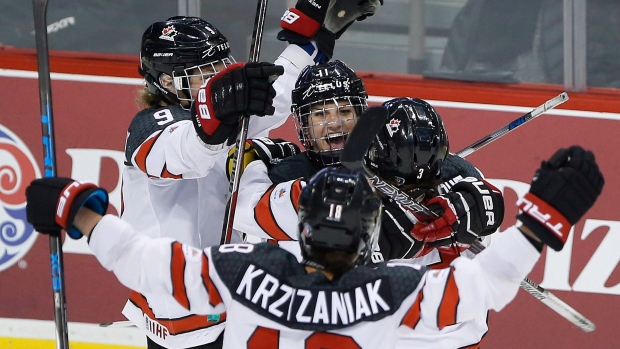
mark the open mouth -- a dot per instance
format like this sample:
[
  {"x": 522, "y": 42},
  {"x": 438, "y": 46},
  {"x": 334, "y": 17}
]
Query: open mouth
[{"x": 336, "y": 140}]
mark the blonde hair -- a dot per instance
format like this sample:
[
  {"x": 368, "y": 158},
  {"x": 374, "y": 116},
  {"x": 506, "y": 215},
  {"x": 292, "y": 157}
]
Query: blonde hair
[{"x": 146, "y": 99}]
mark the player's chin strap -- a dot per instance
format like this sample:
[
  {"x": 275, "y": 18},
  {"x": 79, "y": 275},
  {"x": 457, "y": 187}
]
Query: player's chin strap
[{"x": 159, "y": 90}]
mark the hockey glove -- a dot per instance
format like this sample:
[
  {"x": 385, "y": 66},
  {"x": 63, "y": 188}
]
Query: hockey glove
[
  {"x": 563, "y": 189},
  {"x": 233, "y": 92},
  {"x": 303, "y": 26},
  {"x": 322, "y": 23},
  {"x": 473, "y": 208},
  {"x": 342, "y": 13},
  {"x": 394, "y": 240},
  {"x": 53, "y": 202},
  {"x": 270, "y": 151}
]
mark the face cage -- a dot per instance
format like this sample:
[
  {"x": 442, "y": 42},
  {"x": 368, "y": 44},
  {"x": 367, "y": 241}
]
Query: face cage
[
  {"x": 302, "y": 125},
  {"x": 204, "y": 71}
]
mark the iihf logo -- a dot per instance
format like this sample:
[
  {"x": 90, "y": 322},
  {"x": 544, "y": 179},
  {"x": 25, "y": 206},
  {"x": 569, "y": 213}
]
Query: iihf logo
[
  {"x": 392, "y": 126},
  {"x": 17, "y": 170}
]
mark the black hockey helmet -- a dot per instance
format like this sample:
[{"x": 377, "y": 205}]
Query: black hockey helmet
[
  {"x": 181, "y": 47},
  {"x": 317, "y": 86},
  {"x": 410, "y": 148},
  {"x": 338, "y": 210}
]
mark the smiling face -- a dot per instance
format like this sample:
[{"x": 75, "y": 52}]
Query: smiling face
[{"x": 330, "y": 123}]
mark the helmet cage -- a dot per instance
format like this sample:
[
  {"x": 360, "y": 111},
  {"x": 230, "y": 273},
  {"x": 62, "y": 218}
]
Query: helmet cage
[
  {"x": 182, "y": 79},
  {"x": 316, "y": 114},
  {"x": 316, "y": 87}
]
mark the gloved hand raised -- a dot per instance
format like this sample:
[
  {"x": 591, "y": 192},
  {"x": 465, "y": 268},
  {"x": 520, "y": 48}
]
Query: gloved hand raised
[
  {"x": 240, "y": 89},
  {"x": 323, "y": 21},
  {"x": 342, "y": 13},
  {"x": 471, "y": 209},
  {"x": 563, "y": 189},
  {"x": 53, "y": 202}
]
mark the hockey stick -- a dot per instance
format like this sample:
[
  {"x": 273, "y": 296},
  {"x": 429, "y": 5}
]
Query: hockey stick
[
  {"x": 49, "y": 162},
  {"x": 352, "y": 157},
  {"x": 549, "y": 299},
  {"x": 117, "y": 324},
  {"x": 233, "y": 190},
  {"x": 541, "y": 109}
]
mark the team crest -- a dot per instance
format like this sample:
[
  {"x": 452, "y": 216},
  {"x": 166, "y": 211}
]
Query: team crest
[
  {"x": 168, "y": 33},
  {"x": 17, "y": 169},
  {"x": 392, "y": 126}
]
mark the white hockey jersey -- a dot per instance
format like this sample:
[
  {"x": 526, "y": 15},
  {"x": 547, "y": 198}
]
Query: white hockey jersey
[
  {"x": 269, "y": 211},
  {"x": 173, "y": 186},
  {"x": 274, "y": 303}
]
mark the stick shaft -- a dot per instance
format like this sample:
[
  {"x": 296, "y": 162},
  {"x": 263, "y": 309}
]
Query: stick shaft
[
  {"x": 352, "y": 158},
  {"x": 229, "y": 216},
  {"x": 549, "y": 299},
  {"x": 543, "y": 108},
  {"x": 49, "y": 164}
]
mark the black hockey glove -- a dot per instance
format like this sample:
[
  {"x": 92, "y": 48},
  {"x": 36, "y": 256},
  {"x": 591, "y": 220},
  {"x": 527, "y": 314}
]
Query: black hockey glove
[
  {"x": 53, "y": 202},
  {"x": 473, "y": 208},
  {"x": 304, "y": 23},
  {"x": 394, "y": 240},
  {"x": 342, "y": 13},
  {"x": 270, "y": 151},
  {"x": 322, "y": 22},
  {"x": 233, "y": 92},
  {"x": 563, "y": 189}
]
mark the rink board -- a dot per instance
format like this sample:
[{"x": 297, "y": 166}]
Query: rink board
[{"x": 91, "y": 116}]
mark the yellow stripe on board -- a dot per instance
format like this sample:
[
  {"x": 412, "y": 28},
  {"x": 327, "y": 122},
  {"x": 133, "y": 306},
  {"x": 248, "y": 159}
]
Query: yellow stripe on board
[{"x": 25, "y": 343}]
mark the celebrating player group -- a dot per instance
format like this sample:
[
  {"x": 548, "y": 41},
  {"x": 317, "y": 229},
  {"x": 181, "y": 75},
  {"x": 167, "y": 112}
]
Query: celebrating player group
[{"x": 342, "y": 265}]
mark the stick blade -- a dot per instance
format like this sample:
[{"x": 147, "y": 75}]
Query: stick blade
[{"x": 361, "y": 137}]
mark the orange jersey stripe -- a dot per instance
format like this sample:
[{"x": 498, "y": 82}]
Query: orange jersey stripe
[
  {"x": 295, "y": 192},
  {"x": 180, "y": 325},
  {"x": 413, "y": 315},
  {"x": 214, "y": 295},
  {"x": 449, "y": 303},
  {"x": 166, "y": 174},
  {"x": 177, "y": 273},
  {"x": 265, "y": 219},
  {"x": 143, "y": 152}
]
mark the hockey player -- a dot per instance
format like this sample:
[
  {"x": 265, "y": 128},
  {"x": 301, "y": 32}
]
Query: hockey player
[
  {"x": 411, "y": 152},
  {"x": 330, "y": 299},
  {"x": 174, "y": 183}
]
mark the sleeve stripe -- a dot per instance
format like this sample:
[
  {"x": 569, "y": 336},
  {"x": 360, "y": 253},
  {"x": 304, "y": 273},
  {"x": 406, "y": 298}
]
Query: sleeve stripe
[
  {"x": 166, "y": 174},
  {"x": 214, "y": 295},
  {"x": 266, "y": 220},
  {"x": 414, "y": 313},
  {"x": 180, "y": 325},
  {"x": 295, "y": 192},
  {"x": 177, "y": 274},
  {"x": 144, "y": 150},
  {"x": 449, "y": 303}
]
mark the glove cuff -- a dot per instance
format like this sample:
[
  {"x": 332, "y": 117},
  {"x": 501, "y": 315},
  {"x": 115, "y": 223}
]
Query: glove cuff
[
  {"x": 298, "y": 22},
  {"x": 75, "y": 196},
  {"x": 549, "y": 225}
]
